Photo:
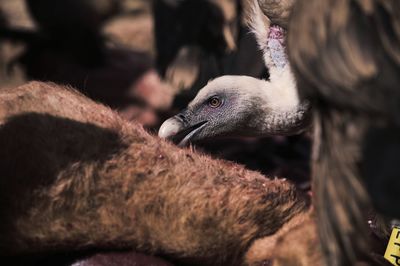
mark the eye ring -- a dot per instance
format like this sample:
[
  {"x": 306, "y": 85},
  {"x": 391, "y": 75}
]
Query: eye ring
[{"x": 214, "y": 102}]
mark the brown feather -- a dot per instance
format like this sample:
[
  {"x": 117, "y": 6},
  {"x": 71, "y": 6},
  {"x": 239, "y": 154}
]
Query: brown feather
[{"x": 344, "y": 54}]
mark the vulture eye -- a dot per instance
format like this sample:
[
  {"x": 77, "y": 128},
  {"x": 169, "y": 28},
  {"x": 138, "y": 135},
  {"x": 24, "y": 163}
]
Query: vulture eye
[{"x": 214, "y": 102}]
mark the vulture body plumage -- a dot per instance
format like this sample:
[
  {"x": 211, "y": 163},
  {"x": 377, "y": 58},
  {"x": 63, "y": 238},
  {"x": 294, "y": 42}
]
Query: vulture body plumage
[
  {"x": 277, "y": 11},
  {"x": 346, "y": 58}
]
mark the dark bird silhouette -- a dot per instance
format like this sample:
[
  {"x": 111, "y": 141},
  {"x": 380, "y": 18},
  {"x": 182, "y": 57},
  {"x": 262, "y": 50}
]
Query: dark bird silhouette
[
  {"x": 346, "y": 58},
  {"x": 186, "y": 31}
]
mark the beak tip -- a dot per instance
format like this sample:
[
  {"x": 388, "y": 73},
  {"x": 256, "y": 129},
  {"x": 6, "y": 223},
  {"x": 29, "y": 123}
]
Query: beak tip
[{"x": 169, "y": 128}]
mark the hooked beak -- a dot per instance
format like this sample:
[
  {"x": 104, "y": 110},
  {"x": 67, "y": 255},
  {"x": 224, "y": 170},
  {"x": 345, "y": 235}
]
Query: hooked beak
[{"x": 179, "y": 131}]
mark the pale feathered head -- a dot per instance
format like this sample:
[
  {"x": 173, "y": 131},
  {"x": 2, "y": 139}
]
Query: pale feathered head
[{"x": 242, "y": 105}]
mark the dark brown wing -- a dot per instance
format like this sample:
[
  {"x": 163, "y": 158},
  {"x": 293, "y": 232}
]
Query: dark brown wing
[{"x": 347, "y": 53}]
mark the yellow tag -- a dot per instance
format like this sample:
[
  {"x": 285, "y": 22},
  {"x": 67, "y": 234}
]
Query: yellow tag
[{"x": 392, "y": 253}]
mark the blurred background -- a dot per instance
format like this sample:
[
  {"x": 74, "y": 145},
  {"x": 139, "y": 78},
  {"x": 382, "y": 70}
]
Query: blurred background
[{"x": 147, "y": 60}]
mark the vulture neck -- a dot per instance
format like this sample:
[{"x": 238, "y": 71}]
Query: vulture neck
[
  {"x": 285, "y": 114},
  {"x": 281, "y": 111},
  {"x": 287, "y": 122}
]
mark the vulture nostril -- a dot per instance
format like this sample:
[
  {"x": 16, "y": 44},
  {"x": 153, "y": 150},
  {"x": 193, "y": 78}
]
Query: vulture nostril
[{"x": 181, "y": 117}]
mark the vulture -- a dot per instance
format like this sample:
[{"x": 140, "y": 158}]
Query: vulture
[
  {"x": 345, "y": 59},
  {"x": 345, "y": 55},
  {"x": 277, "y": 11},
  {"x": 242, "y": 105}
]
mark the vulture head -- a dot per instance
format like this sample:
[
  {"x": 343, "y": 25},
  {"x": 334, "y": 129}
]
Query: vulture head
[
  {"x": 238, "y": 106},
  {"x": 245, "y": 106}
]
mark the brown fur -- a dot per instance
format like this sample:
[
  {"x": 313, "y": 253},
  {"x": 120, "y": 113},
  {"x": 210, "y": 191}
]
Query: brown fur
[
  {"x": 76, "y": 176},
  {"x": 295, "y": 244},
  {"x": 300, "y": 246},
  {"x": 346, "y": 56}
]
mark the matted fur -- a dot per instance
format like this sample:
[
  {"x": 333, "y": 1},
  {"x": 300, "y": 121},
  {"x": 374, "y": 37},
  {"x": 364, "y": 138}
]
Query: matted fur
[
  {"x": 295, "y": 244},
  {"x": 76, "y": 176}
]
